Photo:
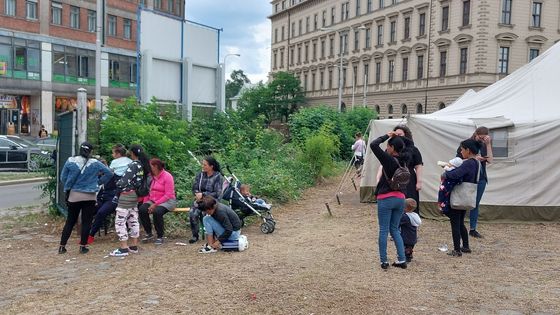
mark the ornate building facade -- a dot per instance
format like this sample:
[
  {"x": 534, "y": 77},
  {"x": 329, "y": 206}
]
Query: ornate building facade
[{"x": 406, "y": 56}]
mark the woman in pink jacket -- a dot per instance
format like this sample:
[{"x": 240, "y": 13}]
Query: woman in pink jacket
[{"x": 160, "y": 201}]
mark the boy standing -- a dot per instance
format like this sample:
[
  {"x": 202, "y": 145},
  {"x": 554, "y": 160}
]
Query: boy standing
[{"x": 410, "y": 222}]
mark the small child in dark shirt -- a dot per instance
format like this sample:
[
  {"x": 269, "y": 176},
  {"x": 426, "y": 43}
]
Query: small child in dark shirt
[{"x": 410, "y": 221}]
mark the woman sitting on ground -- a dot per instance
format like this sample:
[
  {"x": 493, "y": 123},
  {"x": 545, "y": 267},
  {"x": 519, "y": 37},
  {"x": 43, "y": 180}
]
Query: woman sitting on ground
[
  {"x": 160, "y": 201},
  {"x": 207, "y": 183}
]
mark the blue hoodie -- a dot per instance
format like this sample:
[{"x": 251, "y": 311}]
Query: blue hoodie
[{"x": 87, "y": 180}]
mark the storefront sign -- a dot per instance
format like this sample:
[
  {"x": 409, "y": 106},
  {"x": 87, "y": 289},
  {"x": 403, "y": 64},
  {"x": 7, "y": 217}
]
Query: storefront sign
[
  {"x": 7, "y": 101},
  {"x": 3, "y": 67},
  {"x": 65, "y": 104}
]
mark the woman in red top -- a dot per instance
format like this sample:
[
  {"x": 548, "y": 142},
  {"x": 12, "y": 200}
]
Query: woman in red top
[{"x": 160, "y": 201}]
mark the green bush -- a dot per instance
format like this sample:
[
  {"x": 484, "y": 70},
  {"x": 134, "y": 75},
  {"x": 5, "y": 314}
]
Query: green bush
[{"x": 319, "y": 151}]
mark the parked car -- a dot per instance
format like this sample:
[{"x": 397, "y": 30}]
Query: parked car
[
  {"x": 19, "y": 154},
  {"x": 46, "y": 144}
]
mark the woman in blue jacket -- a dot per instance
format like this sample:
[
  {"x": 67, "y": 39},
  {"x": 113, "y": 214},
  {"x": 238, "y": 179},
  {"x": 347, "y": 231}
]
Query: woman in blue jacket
[{"x": 80, "y": 179}]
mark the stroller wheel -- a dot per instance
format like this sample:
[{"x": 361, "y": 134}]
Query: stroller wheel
[
  {"x": 266, "y": 228},
  {"x": 272, "y": 226}
]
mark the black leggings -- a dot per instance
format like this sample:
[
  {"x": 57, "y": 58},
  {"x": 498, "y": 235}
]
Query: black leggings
[
  {"x": 88, "y": 210},
  {"x": 458, "y": 229},
  {"x": 158, "y": 213}
]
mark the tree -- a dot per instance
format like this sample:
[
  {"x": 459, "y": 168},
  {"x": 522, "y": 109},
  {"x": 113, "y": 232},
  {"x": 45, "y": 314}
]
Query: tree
[
  {"x": 233, "y": 86},
  {"x": 287, "y": 94}
]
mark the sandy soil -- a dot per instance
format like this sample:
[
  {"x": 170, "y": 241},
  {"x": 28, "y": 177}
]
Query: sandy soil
[{"x": 311, "y": 264}]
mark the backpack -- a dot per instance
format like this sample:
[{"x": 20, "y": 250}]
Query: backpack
[{"x": 400, "y": 178}]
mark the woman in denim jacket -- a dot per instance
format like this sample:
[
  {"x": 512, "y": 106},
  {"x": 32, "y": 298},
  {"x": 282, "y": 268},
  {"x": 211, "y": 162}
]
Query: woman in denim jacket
[{"x": 80, "y": 177}]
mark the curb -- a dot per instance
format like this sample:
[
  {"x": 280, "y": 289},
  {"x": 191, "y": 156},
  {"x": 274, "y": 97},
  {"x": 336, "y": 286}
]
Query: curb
[{"x": 23, "y": 181}]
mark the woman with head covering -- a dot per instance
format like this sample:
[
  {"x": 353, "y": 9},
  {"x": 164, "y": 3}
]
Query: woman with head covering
[{"x": 81, "y": 182}]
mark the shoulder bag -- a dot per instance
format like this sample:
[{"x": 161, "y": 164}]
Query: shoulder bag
[{"x": 463, "y": 196}]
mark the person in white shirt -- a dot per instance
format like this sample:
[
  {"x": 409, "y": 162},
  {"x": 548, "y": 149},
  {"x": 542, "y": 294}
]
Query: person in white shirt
[{"x": 359, "y": 148}]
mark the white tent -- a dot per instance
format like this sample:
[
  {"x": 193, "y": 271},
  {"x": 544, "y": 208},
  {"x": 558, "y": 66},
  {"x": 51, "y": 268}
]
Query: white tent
[{"x": 523, "y": 114}]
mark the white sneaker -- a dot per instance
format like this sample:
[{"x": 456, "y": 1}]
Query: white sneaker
[
  {"x": 206, "y": 250},
  {"x": 132, "y": 251},
  {"x": 243, "y": 243}
]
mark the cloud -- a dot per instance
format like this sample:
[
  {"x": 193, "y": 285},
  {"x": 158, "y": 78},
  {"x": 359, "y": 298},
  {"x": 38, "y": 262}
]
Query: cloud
[{"x": 246, "y": 31}]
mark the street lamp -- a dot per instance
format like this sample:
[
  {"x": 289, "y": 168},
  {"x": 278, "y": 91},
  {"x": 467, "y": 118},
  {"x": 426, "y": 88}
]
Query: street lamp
[
  {"x": 225, "y": 79},
  {"x": 339, "y": 31}
]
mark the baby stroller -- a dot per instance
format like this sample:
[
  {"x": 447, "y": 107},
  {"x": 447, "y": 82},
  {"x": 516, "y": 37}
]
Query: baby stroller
[{"x": 244, "y": 207}]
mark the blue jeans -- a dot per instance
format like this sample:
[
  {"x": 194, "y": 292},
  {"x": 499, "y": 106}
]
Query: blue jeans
[
  {"x": 103, "y": 211},
  {"x": 473, "y": 216},
  {"x": 213, "y": 227},
  {"x": 389, "y": 213}
]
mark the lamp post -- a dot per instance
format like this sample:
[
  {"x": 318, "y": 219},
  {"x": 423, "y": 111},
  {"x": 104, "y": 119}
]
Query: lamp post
[
  {"x": 339, "y": 31},
  {"x": 223, "y": 109}
]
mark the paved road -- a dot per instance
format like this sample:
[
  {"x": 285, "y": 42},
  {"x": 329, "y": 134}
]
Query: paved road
[{"x": 20, "y": 195}]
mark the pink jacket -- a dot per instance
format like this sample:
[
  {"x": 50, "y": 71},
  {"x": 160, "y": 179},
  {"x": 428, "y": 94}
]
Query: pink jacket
[{"x": 162, "y": 188}]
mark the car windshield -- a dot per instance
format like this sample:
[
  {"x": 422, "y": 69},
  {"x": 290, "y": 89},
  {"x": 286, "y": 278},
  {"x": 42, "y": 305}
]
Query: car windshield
[{"x": 22, "y": 142}]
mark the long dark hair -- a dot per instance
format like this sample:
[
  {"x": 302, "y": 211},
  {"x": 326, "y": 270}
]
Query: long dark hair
[
  {"x": 212, "y": 162},
  {"x": 405, "y": 129},
  {"x": 471, "y": 145},
  {"x": 86, "y": 149},
  {"x": 142, "y": 157},
  {"x": 399, "y": 146}
]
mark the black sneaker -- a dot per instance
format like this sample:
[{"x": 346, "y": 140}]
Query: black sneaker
[
  {"x": 62, "y": 250},
  {"x": 400, "y": 264},
  {"x": 385, "y": 265},
  {"x": 84, "y": 250},
  {"x": 147, "y": 238},
  {"x": 466, "y": 250},
  {"x": 409, "y": 259},
  {"x": 193, "y": 240},
  {"x": 474, "y": 233},
  {"x": 455, "y": 253}
]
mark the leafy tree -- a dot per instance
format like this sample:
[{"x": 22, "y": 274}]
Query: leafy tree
[
  {"x": 233, "y": 86},
  {"x": 287, "y": 94},
  {"x": 256, "y": 102}
]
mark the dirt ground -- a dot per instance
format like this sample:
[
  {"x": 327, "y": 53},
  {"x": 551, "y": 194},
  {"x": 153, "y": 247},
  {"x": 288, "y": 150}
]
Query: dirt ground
[{"x": 311, "y": 264}]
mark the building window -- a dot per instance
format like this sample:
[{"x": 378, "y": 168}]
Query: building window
[
  {"x": 445, "y": 18},
  {"x": 466, "y": 12},
  {"x": 506, "y": 12},
  {"x": 393, "y": 33},
  {"x": 355, "y": 77},
  {"x": 333, "y": 12},
  {"x": 344, "y": 11},
  {"x": 377, "y": 110},
  {"x": 74, "y": 17},
  {"x": 404, "y": 109},
  {"x": 157, "y": 4},
  {"x": 127, "y": 28},
  {"x": 391, "y": 70},
  {"x": 122, "y": 71},
  {"x": 313, "y": 81},
  {"x": 20, "y": 58},
  {"x": 321, "y": 80},
  {"x": 463, "y": 61},
  {"x": 344, "y": 77},
  {"x": 503, "y": 60},
  {"x": 419, "y": 108},
  {"x": 91, "y": 21},
  {"x": 405, "y": 69},
  {"x": 274, "y": 58},
  {"x": 380, "y": 34},
  {"x": 170, "y": 4},
  {"x": 441, "y": 106},
  {"x": 315, "y": 22},
  {"x": 322, "y": 48},
  {"x": 358, "y": 7},
  {"x": 499, "y": 142},
  {"x": 390, "y": 109},
  {"x": 442, "y": 63},
  {"x": 422, "y": 24},
  {"x": 356, "y": 40},
  {"x": 381, "y": 4},
  {"x": 31, "y": 9},
  {"x": 10, "y": 7},
  {"x": 536, "y": 14},
  {"x": 307, "y": 25},
  {"x": 56, "y": 13},
  {"x": 292, "y": 56},
  {"x": 420, "y": 67},
  {"x": 306, "y": 54},
  {"x": 368, "y": 37},
  {"x": 406, "y": 27},
  {"x": 330, "y": 79},
  {"x": 331, "y": 47},
  {"x": 314, "y": 52},
  {"x": 366, "y": 74},
  {"x": 71, "y": 65},
  {"x": 300, "y": 27},
  {"x": 369, "y": 6},
  {"x": 378, "y": 72},
  {"x": 282, "y": 33},
  {"x": 324, "y": 21},
  {"x": 112, "y": 25},
  {"x": 293, "y": 29},
  {"x": 299, "y": 55},
  {"x": 275, "y": 35},
  {"x": 282, "y": 59},
  {"x": 533, "y": 53}
]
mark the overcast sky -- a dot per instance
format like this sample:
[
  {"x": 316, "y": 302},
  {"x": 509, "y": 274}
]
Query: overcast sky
[{"x": 246, "y": 31}]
